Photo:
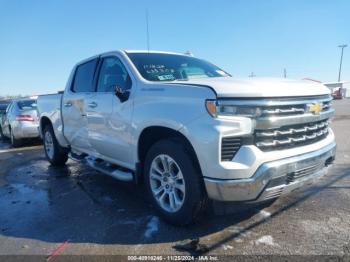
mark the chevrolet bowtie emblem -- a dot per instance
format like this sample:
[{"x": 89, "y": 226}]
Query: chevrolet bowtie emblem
[{"x": 315, "y": 108}]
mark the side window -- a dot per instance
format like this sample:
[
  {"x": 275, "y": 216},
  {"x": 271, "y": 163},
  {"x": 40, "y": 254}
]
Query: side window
[
  {"x": 112, "y": 74},
  {"x": 84, "y": 76}
]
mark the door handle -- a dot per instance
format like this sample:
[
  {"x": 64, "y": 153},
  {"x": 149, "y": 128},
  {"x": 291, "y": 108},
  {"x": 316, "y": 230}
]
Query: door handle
[
  {"x": 68, "y": 104},
  {"x": 92, "y": 105}
]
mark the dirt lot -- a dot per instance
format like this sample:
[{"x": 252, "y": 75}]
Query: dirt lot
[{"x": 42, "y": 207}]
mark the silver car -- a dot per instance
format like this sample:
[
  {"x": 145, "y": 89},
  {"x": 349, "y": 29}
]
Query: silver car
[{"x": 21, "y": 121}]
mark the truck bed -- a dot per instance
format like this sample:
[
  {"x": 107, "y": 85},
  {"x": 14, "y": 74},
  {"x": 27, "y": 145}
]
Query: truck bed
[{"x": 49, "y": 107}]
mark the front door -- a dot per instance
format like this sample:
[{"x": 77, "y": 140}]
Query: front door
[{"x": 109, "y": 118}]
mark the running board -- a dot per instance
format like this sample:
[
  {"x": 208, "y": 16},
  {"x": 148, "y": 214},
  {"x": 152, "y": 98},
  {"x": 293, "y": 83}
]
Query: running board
[
  {"x": 109, "y": 169},
  {"x": 77, "y": 157}
]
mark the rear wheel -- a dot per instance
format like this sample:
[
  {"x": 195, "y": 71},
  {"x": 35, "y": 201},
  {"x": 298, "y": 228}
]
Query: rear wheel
[
  {"x": 174, "y": 183},
  {"x": 55, "y": 154},
  {"x": 14, "y": 141}
]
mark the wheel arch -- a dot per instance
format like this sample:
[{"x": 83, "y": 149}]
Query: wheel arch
[
  {"x": 152, "y": 134},
  {"x": 44, "y": 121}
]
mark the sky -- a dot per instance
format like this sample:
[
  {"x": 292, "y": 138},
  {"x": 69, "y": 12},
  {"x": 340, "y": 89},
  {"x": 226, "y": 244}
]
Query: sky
[{"x": 40, "y": 41}]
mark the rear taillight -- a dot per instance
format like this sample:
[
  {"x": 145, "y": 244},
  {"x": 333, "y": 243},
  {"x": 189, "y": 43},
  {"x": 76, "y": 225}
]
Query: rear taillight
[{"x": 24, "y": 118}]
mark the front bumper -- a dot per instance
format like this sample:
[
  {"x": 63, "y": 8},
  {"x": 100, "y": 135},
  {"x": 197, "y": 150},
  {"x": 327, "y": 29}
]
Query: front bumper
[{"x": 273, "y": 178}]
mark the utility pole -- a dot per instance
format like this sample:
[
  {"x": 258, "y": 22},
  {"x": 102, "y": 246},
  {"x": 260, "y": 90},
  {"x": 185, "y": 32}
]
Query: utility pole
[
  {"x": 285, "y": 73},
  {"x": 341, "y": 60},
  {"x": 147, "y": 30},
  {"x": 252, "y": 74}
]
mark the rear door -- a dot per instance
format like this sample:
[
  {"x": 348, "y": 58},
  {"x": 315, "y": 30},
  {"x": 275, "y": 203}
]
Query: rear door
[
  {"x": 109, "y": 118},
  {"x": 74, "y": 106}
]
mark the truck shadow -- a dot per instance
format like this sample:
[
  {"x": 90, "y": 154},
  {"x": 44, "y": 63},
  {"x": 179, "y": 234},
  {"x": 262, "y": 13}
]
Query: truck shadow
[
  {"x": 5, "y": 143},
  {"x": 76, "y": 203}
]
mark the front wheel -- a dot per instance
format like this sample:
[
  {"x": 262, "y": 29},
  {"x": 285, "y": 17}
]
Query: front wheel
[
  {"x": 55, "y": 154},
  {"x": 174, "y": 183}
]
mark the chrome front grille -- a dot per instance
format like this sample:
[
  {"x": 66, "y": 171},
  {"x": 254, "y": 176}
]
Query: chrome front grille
[
  {"x": 291, "y": 109},
  {"x": 277, "y": 123},
  {"x": 283, "y": 111},
  {"x": 326, "y": 105},
  {"x": 291, "y": 135}
]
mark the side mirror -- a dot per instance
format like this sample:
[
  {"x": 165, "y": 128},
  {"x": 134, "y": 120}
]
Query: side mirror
[{"x": 122, "y": 94}]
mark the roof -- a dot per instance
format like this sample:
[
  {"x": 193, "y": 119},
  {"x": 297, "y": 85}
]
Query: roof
[
  {"x": 152, "y": 52},
  {"x": 130, "y": 52}
]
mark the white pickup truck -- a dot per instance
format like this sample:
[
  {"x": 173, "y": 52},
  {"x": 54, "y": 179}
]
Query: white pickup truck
[{"x": 188, "y": 130}]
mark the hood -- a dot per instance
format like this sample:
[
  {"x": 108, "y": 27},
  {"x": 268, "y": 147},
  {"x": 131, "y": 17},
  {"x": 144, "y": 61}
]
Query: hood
[{"x": 260, "y": 87}]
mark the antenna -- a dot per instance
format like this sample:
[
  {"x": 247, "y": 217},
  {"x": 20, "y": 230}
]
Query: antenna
[{"x": 147, "y": 28}]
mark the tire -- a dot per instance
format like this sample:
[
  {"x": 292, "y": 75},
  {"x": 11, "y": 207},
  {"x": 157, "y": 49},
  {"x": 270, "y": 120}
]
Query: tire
[
  {"x": 14, "y": 141},
  {"x": 160, "y": 185},
  {"x": 54, "y": 153}
]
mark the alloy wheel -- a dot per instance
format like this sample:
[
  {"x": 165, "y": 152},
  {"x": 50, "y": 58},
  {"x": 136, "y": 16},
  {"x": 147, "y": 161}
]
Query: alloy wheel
[
  {"x": 49, "y": 148},
  {"x": 167, "y": 183}
]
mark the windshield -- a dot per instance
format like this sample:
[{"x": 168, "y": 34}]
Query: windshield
[
  {"x": 27, "y": 104},
  {"x": 171, "y": 67}
]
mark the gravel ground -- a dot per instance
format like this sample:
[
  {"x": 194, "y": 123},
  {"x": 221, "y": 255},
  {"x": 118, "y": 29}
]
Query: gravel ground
[{"x": 42, "y": 207}]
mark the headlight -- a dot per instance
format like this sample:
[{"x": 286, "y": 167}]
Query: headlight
[
  {"x": 218, "y": 108},
  {"x": 211, "y": 107}
]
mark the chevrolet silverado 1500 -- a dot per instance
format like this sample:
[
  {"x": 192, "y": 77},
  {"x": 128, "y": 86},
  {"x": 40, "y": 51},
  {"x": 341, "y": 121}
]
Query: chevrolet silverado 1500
[{"x": 188, "y": 130}]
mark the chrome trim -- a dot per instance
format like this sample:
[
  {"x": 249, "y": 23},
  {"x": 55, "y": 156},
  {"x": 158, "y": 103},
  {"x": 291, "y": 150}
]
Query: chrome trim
[
  {"x": 326, "y": 106},
  {"x": 271, "y": 101},
  {"x": 256, "y": 187},
  {"x": 291, "y": 131},
  {"x": 290, "y": 140},
  {"x": 279, "y": 121},
  {"x": 107, "y": 169},
  {"x": 283, "y": 111},
  {"x": 291, "y": 177}
]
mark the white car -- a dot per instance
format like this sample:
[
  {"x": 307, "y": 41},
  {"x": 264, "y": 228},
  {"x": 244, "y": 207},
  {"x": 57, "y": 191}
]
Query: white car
[{"x": 189, "y": 130}]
